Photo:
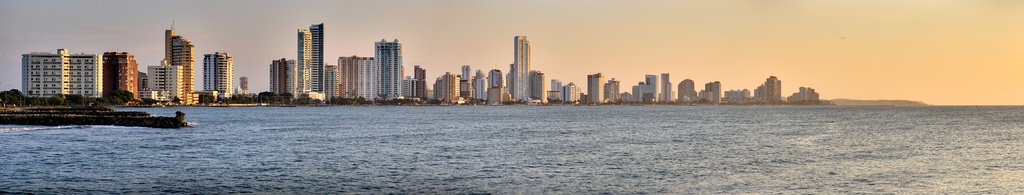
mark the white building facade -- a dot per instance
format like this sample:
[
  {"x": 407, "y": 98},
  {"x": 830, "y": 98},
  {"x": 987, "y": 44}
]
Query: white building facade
[
  {"x": 45, "y": 74},
  {"x": 521, "y": 66},
  {"x": 218, "y": 73}
]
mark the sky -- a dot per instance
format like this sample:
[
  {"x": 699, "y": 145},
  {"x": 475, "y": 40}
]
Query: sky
[{"x": 942, "y": 52}]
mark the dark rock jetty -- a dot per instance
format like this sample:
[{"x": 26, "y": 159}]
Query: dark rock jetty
[{"x": 89, "y": 116}]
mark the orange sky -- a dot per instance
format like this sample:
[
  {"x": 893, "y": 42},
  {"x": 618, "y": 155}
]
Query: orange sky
[{"x": 941, "y": 52}]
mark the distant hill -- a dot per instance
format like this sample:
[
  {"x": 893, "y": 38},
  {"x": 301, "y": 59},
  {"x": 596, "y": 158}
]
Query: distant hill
[{"x": 851, "y": 102}]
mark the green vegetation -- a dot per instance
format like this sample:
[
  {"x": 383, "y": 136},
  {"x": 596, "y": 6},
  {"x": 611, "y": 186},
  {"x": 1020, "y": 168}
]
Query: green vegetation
[{"x": 14, "y": 97}]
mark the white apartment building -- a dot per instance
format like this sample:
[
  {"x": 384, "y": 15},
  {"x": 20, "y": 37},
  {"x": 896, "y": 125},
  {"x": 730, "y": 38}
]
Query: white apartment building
[
  {"x": 218, "y": 73},
  {"x": 45, "y": 74},
  {"x": 666, "y": 94},
  {"x": 166, "y": 81},
  {"x": 521, "y": 69}
]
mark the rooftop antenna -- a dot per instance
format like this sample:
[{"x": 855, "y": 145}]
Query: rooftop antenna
[{"x": 172, "y": 24}]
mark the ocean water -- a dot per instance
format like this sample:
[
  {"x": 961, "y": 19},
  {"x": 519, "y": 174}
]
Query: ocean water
[{"x": 530, "y": 150}]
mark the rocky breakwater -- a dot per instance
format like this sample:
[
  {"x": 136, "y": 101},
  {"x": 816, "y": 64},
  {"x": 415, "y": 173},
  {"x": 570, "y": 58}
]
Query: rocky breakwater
[{"x": 89, "y": 116}]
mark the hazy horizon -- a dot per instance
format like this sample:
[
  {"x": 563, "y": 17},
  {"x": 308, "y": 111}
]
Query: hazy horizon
[{"x": 940, "y": 52}]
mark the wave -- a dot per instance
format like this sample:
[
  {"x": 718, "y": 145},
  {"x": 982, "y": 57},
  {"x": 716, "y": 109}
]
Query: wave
[{"x": 7, "y": 129}]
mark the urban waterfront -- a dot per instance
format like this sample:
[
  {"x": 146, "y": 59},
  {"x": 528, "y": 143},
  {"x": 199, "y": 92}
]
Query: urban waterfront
[{"x": 529, "y": 150}]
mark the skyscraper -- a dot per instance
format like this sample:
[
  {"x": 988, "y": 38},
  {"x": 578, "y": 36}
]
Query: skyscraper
[
  {"x": 521, "y": 66},
  {"x": 316, "y": 58},
  {"x": 282, "y": 76},
  {"x": 480, "y": 85},
  {"x": 495, "y": 78},
  {"x": 556, "y": 86},
  {"x": 389, "y": 63},
  {"x": 218, "y": 73},
  {"x": 45, "y": 74},
  {"x": 180, "y": 52},
  {"x": 666, "y": 89},
  {"x": 570, "y": 93},
  {"x": 649, "y": 89},
  {"x": 446, "y": 87},
  {"x": 611, "y": 91},
  {"x": 330, "y": 81},
  {"x": 595, "y": 88},
  {"x": 420, "y": 75},
  {"x": 303, "y": 59},
  {"x": 538, "y": 87},
  {"x": 687, "y": 92},
  {"x": 120, "y": 72},
  {"x": 357, "y": 76},
  {"x": 714, "y": 90},
  {"x": 770, "y": 91}
]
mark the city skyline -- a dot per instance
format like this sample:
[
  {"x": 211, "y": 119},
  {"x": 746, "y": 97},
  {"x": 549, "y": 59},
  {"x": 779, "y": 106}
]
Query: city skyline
[{"x": 951, "y": 45}]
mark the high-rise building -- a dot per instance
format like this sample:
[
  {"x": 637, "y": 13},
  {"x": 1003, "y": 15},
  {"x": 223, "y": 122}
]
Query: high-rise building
[
  {"x": 180, "y": 52},
  {"x": 316, "y": 58},
  {"x": 647, "y": 90},
  {"x": 282, "y": 76},
  {"x": 714, "y": 90},
  {"x": 243, "y": 86},
  {"x": 143, "y": 81},
  {"x": 466, "y": 75},
  {"x": 495, "y": 78},
  {"x": 466, "y": 70},
  {"x": 556, "y": 85},
  {"x": 165, "y": 80},
  {"x": 637, "y": 92},
  {"x": 446, "y": 87},
  {"x": 120, "y": 72},
  {"x": 45, "y": 74},
  {"x": 218, "y": 73},
  {"x": 570, "y": 93},
  {"x": 611, "y": 91},
  {"x": 303, "y": 59},
  {"x": 480, "y": 85},
  {"x": 770, "y": 91},
  {"x": 389, "y": 64},
  {"x": 666, "y": 89},
  {"x": 358, "y": 77},
  {"x": 331, "y": 81},
  {"x": 595, "y": 88},
  {"x": 409, "y": 87},
  {"x": 421, "y": 82},
  {"x": 687, "y": 92},
  {"x": 538, "y": 86},
  {"x": 521, "y": 66}
]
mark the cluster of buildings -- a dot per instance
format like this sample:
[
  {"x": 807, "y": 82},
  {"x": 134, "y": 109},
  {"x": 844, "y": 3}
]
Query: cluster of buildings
[
  {"x": 655, "y": 90},
  {"x": 46, "y": 74},
  {"x": 381, "y": 76},
  {"x": 309, "y": 75}
]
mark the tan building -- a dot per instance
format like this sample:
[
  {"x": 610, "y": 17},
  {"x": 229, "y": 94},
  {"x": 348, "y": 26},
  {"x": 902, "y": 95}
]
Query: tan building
[{"x": 180, "y": 52}]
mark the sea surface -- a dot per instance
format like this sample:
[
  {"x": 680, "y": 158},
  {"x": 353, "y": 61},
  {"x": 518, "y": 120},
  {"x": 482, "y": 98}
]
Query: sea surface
[{"x": 529, "y": 150}]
